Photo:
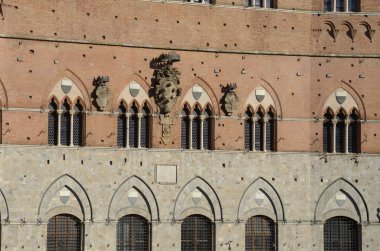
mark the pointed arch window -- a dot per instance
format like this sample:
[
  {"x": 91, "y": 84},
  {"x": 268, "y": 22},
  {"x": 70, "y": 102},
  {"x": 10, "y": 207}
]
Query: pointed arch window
[
  {"x": 353, "y": 133},
  {"x": 122, "y": 126},
  {"x": 327, "y": 132},
  {"x": 144, "y": 134},
  {"x": 133, "y": 233},
  {"x": 269, "y": 131},
  {"x": 341, "y": 234},
  {"x": 259, "y": 131},
  {"x": 248, "y": 130},
  {"x": 65, "y": 124},
  {"x": 261, "y": 3},
  {"x": 197, "y": 233},
  {"x": 196, "y": 129},
  {"x": 133, "y": 126},
  {"x": 64, "y": 232},
  {"x": 185, "y": 128},
  {"x": 207, "y": 129},
  {"x": 260, "y": 234},
  {"x": 78, "y": 125},
  {"x": 53, "y": 123}
]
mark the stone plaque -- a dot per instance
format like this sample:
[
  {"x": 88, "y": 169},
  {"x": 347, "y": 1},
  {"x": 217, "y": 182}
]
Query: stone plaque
[{"x": 166, "y": 174}]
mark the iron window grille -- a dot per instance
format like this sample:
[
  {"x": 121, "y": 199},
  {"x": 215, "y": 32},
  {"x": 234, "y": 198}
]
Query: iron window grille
[
  {"x": 196, "y": 129},
  {"x": 353, "y": 134},
  {"x": 260, "y": 234},
  {"x": 65, "y": 124},
  {"x": 340, "y": 133},
  {"x": 259, "y": 132},
  {"x": 78, "y": 125},
  {"x": 327, "y": 133},
  {"x": 207, "y": 130},
  {"x": 341, "y": 234},
  {"x": 144, "y": 137},
  {"x": 53, "y": 124},
  {"x": 133, "y": 234},
  {"x": 185, "y": 129},
  {"x": 133, "y": 127},
  {"x": 197, "y": 233},
  {"x": 121, "y": 127},
  {"x": 248, "y": 126},
  {"x": 270, "y": 125},
  {"x": 64, "y": 233}
]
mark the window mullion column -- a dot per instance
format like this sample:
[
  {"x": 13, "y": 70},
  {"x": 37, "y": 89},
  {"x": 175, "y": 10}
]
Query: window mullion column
[
  {"x": 59, "y": 112},
  {"x": 346, "y": 123},
  {"x": 139, "y": 116},
  {"x": 346, "y": 5},
  {"x": 202, "y": 117},
  {"x": 264, "y": 3},
  {"x": 334, "y": 122},
  {"x": 191, "y": 117},
  {"x": 127, "y": 118},
  {"x": 71, "y": 127},
  {"x": 334, "y": 5}
]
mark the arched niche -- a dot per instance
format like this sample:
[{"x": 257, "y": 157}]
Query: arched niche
[
  {"x": 260, "y": 198},
  {"x": 56, "y": 197},
  {"x": 197, "y": 197},
  {"x": 341, "y": 198},
  {"x": 340, "y": 99},
  {"x": 260, "y": 98},
  {"x": 133, "y": 196}
]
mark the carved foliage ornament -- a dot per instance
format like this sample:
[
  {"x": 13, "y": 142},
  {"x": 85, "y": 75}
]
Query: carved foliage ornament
[
  {"x": 102, "y": 92},
  {"x": 230, "y": 99}
]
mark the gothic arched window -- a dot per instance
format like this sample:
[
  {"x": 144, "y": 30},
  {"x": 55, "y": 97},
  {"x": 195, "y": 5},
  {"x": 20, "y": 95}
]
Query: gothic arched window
[
  {"x": 327, "y": 132},
  {"x": 78, "y": 125},
  {"x": 197, "y": 233},
  {"x": 341, "y": 234},
  {"x": 185, "y": 128},
  {"x": 196, "y": 129},
  {"x": 65, "y": 124},
  {"x": 353, "y": 134},
  {"x": 259, "y": 131},
  {"x": 133, "y": 234},
  {"x": 270, "y": 131},
  {"x": 340, "y": 132},
  {"x": 207, "y": 129},
  {"x": 260, "y": 234},
  {"x": 248, "y": 130},
  {"x": 53, "y": 123},
  {"x": 122, "y": 126},
  {"x": 340, "y": 5},
  {"x": 145, "y": 126},
  {"x": 64, "y": 233},
  {"x": 133, "y": 126}
]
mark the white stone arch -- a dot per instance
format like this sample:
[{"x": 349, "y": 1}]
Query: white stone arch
[
  {"x": 146, "y": 193},
  {"x": 75, "y": 187},
  {"x": 4, "y": 210},
  {"x": 126, "y": 96},
  {"x": 348, "y": 105},
  {"x": 260, "y": 185},
  {"x": 358, "y": 211},
  {"x": 180, "y": 210},
  {"x": 266, "y": 103},
  {"x": 74, "y": 94}
]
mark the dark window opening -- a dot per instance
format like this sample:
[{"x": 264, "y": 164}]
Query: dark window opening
[
  {"x": 248, "y": 127},
  {"x": 185, "y": 129},
  {"x": 133, "y": 234},
  {"x": 197, "y": 233},
  {"x": 327, "y": 132},
  {"x": 340, "y": 133},
  {"x": 65, "y": 124},
  {"x": 53, "y": 124},
  {"x": 196, "y": 129},
  {"x": 341, "y": 234},
  {"x": 260, "y": 234},
  {"x": 64, "y": 233},
  {"x": 133, "y": 127},
  {"x": 207, "y": 129},
  {"x": 145, "y": 127},
  {"x": 259, "y": 132},
  {"x": 78, "y": 125},
  {"x": 122, "y": 127}
]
